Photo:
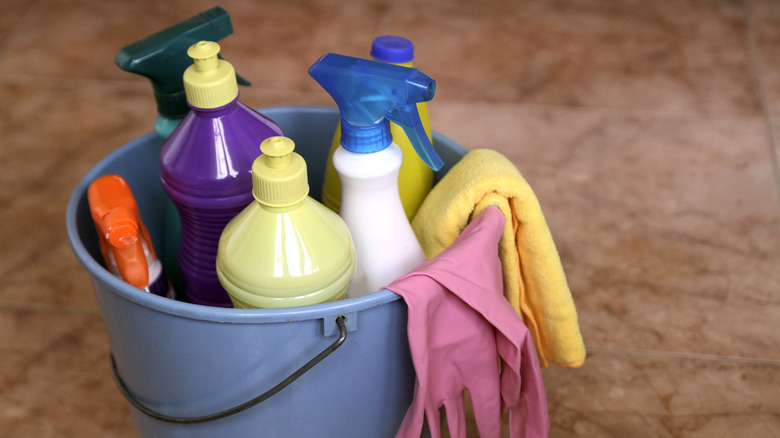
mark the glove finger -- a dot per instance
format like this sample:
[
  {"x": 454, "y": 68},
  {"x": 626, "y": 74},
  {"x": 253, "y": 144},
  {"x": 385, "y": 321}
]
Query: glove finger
[
  {"x": 456, "y": 415},
  {"x": 517, "y": 422},
  {"x": 433, "y": 418},
  {"x": 529, "y": 420},
  {"x": 486, "y": 404},
  {"x": 415, "y": 415}
]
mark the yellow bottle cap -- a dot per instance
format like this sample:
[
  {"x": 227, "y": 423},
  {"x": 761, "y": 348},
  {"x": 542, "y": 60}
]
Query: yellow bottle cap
[
  {"x": 279, "y": 175},
  {"x": 209, "y": 82}
]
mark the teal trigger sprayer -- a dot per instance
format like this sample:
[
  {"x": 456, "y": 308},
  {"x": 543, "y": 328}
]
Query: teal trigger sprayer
[
  {"x": 162, "y": 58},
  {"x": 369, "y": 95}
]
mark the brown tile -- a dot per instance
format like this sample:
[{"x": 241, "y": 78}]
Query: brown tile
[
  {"x": 260, "y": 98},
  {"x": 675, "y": 57},
  {"x": 622, "y": 394},
  {"x": 668, "y": 227},
  {"x": 55, "y": 378},
  {"x": 12, "y": 12},
  {"x": 56, "y": 132},
  {"x": 765, "y": 19},
  {"x": 659, "y": 189},
  {"x": 617, "y": 394},
  {"x": 277, "y": 43},
  {"x": 623, "y": 56},
  {"x": 775, "y": 151},
  {"x": 80, "y": 39},
  {"x": 273, "y": 44}
]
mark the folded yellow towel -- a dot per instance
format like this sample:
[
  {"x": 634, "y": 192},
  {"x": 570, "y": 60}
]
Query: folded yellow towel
[{"x": 534, "y": 281}]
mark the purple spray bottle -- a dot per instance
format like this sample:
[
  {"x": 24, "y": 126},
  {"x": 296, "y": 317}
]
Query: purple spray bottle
[{"x": 206, "y": 167}]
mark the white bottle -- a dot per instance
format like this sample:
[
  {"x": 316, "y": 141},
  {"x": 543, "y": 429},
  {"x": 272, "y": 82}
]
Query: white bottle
[
  {"x": 385, "y": 244},
  {"x": 371, "y": 94}
]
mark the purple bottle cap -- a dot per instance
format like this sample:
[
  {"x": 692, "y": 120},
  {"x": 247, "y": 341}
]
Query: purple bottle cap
[{"x": 392, "y": 49}]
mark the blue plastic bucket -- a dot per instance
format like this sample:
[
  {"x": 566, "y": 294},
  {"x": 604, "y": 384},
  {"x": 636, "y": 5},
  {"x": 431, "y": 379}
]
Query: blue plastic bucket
[{"x": 186, "y": 361}]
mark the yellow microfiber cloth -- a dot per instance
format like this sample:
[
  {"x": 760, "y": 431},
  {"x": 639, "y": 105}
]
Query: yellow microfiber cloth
[{"x": 534, "y": 281}]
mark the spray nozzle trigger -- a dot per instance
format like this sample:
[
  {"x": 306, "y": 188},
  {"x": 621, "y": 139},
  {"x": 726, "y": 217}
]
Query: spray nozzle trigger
[
  {"x": 408, "y": 117},
  {"x": 368, "y": 94},
  {"x": 162, "y": 57}
]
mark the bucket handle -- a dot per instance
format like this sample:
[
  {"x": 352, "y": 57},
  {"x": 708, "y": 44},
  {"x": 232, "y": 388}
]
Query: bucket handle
[{"x": 341, "y": 322}]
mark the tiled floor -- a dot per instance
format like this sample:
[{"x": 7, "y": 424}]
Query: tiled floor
[{"x": 648, "y": 131}]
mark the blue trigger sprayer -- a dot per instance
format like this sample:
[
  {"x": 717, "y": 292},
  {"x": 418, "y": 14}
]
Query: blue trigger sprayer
[{"x": 369, "y": 95}]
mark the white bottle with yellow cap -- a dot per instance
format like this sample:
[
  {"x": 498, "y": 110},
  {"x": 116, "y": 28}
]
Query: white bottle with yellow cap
[{"x": 285, "y": 249}]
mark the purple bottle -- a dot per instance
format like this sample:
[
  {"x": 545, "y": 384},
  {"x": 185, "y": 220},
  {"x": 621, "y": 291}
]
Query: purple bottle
[{"x": 206, "y": 167}]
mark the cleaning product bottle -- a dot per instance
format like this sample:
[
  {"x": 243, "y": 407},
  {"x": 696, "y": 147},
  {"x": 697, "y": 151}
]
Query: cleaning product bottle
[
  {"x": 369, "y": 95},
  {"x": 124, "y": 240},
  {"x": 206, "y": 167},
  {"x": 162, "y": 58},
  {"x": 285, "y": 249},
  {"x": 415, "y": 179}
]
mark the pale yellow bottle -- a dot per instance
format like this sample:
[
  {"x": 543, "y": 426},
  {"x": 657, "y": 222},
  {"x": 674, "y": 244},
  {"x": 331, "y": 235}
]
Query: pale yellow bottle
[
  {"x": 284, "y": 249},
  {"x": 415, "y": 179}
]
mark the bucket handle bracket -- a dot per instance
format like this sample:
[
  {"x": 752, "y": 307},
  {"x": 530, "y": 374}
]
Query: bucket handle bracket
[
  {"x": 341, "y": 323},
  {"x": 331, "y": 326}
]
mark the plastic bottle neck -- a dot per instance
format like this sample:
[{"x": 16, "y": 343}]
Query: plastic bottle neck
[
  {"x": 280, "y": 210},
  {"x": 218, "y": 111},
  {"x": 366, "y": 139}
]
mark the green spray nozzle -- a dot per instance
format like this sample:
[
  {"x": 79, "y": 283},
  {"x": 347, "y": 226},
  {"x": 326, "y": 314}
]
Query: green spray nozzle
[
  {"x": 162, "y": 57},
  {"x": 369, "y": 95}
]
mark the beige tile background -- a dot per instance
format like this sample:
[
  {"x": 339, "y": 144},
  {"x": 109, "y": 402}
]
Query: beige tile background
[{"x": 648, "y": 131}]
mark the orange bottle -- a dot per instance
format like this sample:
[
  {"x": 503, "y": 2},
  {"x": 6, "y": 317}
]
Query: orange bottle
[{"x": 124, "y": 240}]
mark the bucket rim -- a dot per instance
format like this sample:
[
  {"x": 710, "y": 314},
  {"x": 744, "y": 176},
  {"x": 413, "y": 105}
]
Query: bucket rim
[
  {"x": 98, "y": 274},
  {"x": 196, "y": 311}
]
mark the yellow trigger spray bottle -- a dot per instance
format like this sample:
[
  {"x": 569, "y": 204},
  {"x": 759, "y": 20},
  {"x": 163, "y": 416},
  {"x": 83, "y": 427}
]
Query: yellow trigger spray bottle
[
  {"x": 415, "y": 179},
  {"x": 284, "y": 249}
]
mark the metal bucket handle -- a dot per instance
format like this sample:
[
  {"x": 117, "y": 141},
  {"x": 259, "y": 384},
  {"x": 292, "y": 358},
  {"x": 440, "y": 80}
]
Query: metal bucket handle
[{"x": 341, "y": 322}]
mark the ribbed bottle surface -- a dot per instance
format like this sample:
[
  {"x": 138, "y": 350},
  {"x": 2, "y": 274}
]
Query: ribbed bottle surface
[
  {"x": 206, "y": 169},
  {"x": 197, "y": 254}
]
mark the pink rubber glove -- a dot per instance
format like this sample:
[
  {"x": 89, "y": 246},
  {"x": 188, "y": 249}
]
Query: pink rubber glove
[{"x": 459, "y": 325}]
